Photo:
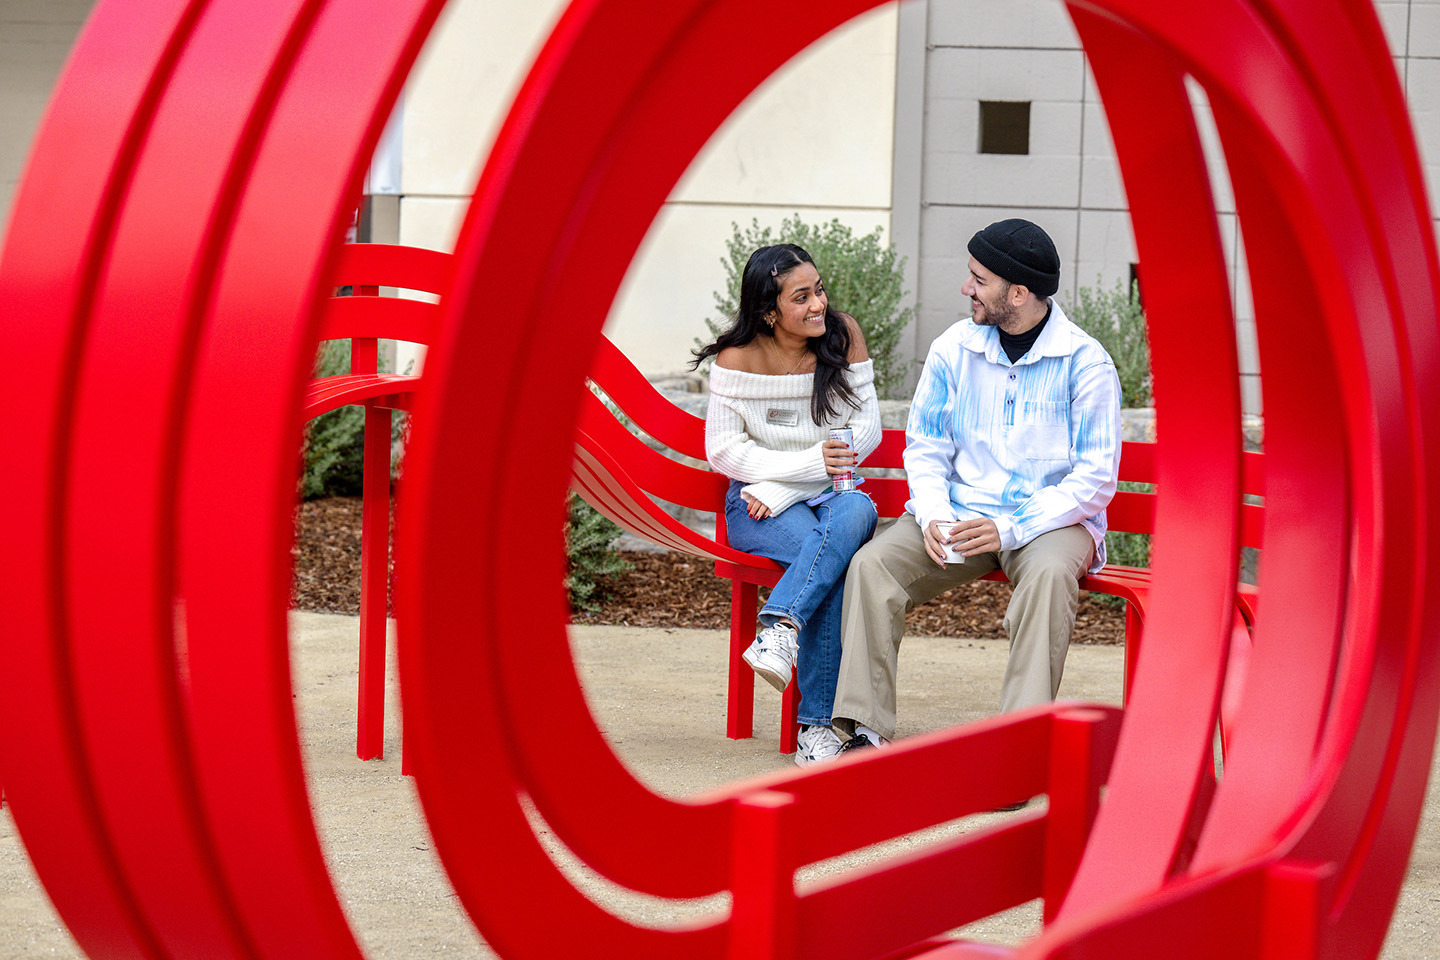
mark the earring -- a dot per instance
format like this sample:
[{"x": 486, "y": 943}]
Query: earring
[{"x": 771, "y": 321}]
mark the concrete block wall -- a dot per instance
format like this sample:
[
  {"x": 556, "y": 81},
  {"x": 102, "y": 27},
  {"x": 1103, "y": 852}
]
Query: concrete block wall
[
  {"x": 820, "y": 138},
  {"x": 1027, "y": 50},
  {"x": 35, "y": 36}
]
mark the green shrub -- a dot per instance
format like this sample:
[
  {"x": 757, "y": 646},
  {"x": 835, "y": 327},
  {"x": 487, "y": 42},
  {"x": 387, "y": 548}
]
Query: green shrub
[
  {"x": 1116, "y": 318},
  {"x": 863, "y": 278},
  {"x": 334, "y": 441},
  {"x": 591, "y": 558},
  {"x": 334, "y": 464}
]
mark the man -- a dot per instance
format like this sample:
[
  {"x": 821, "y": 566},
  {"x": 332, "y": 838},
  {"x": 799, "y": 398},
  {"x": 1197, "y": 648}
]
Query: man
[{"x": 1012, "y": 451}]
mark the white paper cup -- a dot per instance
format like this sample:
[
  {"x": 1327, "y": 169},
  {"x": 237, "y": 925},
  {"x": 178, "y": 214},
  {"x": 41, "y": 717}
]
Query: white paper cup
[{"x": 952, "y": 550}]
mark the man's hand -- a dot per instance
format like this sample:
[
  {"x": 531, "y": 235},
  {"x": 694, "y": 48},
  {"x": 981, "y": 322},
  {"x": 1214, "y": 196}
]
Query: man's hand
[{"x": 972, "y": 537}]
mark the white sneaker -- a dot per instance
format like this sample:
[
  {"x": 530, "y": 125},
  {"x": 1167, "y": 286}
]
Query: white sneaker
[
  {"x": 816, "y": 744},
  {"x": 773, "y": 654}
]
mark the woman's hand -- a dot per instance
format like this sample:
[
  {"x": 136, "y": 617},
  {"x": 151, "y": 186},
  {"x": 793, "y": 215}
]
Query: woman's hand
[
  {"x": 937, "y": 538},
  {"x": 839, "y": 458},
  {"x": 756, "y": 509}
]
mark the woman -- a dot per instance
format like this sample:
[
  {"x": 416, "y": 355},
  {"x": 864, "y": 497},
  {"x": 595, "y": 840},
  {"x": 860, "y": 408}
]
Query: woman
[{"x": 787, "y": 371}]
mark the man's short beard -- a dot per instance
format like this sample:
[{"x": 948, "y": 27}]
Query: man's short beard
[{"x": 1006, "y": 311}]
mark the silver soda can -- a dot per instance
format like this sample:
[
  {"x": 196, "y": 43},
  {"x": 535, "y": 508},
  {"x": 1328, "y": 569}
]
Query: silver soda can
[{"x": 844, "y": 481}]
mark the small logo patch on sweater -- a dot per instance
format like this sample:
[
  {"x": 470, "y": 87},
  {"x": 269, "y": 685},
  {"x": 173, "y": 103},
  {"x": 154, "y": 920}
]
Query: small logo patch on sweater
[{"x": 782, "y": 417}]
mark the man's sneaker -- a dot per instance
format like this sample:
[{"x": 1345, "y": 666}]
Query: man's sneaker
[
  {"x": 864, "y": 738},
  {"x": 773, "y": 654},
  {"x": 816, "y": 744}
]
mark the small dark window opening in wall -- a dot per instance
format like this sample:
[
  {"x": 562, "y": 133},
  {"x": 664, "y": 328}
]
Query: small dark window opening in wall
[{"x": 1004, "y": 126}]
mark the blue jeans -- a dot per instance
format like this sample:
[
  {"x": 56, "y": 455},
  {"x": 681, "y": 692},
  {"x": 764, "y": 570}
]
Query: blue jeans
[{"x": 814, "y": 545}]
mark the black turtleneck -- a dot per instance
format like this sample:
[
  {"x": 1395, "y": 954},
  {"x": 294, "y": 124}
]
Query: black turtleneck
[{"x": 1017, "y": 344}]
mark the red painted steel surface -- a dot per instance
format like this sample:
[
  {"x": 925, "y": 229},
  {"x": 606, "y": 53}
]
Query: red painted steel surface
[
  {"x": 363, "y": 317},
  {"x": 172, "y": 244}
]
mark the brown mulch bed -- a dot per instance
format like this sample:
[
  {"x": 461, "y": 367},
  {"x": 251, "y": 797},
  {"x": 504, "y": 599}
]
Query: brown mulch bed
[
  {"x": 327, "y": 556},
  {"x": 659, "y": 589}
]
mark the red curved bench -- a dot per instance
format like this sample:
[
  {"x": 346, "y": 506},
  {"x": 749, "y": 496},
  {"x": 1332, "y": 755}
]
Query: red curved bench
[
  {"x": 364, "y": 318},
  {"x": 623, "y": 477}
]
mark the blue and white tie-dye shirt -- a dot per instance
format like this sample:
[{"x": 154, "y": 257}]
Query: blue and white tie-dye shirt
[{"x": 1034, "y": 446}]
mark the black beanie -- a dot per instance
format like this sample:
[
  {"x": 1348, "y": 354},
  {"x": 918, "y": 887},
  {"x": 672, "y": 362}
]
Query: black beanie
[{"x": 1020, "y": 252}]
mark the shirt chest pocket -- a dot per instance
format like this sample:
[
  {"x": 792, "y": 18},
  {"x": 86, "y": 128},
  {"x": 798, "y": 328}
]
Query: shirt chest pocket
[{"x": 1041, "y": 431}]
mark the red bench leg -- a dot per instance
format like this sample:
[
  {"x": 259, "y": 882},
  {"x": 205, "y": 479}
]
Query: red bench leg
[
  {"x": 790, "y": 717},
  {"x": 374, "y": 577},
  {"x": 740, "y": 710},
  {"x": 1077, "y": 772},
  {"x": 405, "y": 769},
  {"x": 1133, "y": 630}
]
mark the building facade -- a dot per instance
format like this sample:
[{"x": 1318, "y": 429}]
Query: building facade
[{"x": 926, "y": 119}]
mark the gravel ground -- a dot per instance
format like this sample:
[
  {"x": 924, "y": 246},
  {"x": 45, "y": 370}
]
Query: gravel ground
[{"x": 659, "y": 697}]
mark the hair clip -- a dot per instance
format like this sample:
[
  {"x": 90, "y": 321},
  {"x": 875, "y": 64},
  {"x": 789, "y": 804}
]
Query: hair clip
[{"x": 775, "y": 270}]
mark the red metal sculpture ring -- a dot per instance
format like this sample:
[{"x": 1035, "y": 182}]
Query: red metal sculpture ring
[{"x": 165, "y": 264}]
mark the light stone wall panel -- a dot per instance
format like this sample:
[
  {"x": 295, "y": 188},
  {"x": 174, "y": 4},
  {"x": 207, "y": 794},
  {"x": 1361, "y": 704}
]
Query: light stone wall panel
[
  {"x": 1103, "y": 252},
  {"x": 1048, "y": 177},
  {"x": 1248, "y": 344},
  {"x": 1423, "y": 38},
  {"x": 1230, "y": 241},
  {"x": 957, "y": 173},
  {"x": 819, "y": 132},
  {"x": 1101, "y": 187},
  {"x": 994, "y": 24},
  {"x": 1221, "y": 191},
  {"x": 1395, "y": 21},
  {"x": 1424, "y": 98},
  {"x": 432, "y": 222},
  {"x": 460, "y": 91},
  {"x": 979, "y": 74}
]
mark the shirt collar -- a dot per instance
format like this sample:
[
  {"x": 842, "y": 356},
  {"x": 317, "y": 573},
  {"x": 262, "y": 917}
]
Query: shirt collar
[{"x": 1054, "y": 340}]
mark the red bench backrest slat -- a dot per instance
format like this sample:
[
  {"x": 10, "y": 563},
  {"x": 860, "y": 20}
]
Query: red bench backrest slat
[
  {"x": 657, "y": 474},
  {"x": 393, "y": 265},
  {"x": 613, "y": 373},
  {"x": 393, "y": 318}
]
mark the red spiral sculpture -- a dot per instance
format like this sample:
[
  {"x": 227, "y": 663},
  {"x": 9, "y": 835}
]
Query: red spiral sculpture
[{"x": 161, "y": 283}]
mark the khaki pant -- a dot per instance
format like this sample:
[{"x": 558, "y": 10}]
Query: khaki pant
[{"x": 892, "y": 574}]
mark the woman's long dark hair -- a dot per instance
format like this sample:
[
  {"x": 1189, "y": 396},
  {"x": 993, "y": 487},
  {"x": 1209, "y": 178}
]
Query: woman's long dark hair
[{"x": 759, "y": 294}]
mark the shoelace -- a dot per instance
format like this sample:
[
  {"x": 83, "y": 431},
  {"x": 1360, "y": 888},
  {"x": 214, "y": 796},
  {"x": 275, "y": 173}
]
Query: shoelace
[
  {"x": 779, "y": 640},
  {"x": 813, "y": 739},
  {"x": 857, "y": 742}
]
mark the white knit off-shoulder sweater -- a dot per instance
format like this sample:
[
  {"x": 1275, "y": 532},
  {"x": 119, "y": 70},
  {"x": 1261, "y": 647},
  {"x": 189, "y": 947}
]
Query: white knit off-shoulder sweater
[{"x": 758, "y": 430}]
